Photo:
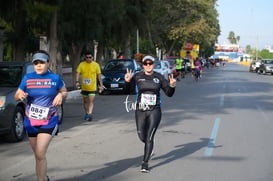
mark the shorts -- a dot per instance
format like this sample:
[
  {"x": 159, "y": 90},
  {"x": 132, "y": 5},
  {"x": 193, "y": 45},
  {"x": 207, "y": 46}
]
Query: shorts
[
  {"x": 51, "y": 128},
  {"x": 88, "y": 93},
  {"x": 178, "y": 70}
]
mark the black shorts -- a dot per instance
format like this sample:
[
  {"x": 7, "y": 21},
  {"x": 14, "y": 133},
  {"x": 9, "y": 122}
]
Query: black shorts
[{"x": 88, "y": 93}]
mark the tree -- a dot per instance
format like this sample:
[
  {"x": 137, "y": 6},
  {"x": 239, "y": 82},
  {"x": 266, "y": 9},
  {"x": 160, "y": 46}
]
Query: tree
[
  {"x": 13, "y": 15},
  {"x": 184, "y": 21},
  {"x": 232, "y": 39}
]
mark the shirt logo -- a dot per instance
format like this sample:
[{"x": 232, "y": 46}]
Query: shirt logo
[
  {"x": 40, "y": 83},
  {"x": 156, "y": 80}
]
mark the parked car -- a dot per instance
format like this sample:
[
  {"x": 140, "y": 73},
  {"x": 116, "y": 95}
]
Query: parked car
[
  {"x": 266, "y": 66},
  {"x": 12, "y": 112},
  {"x": 114, "y": 71},
  {"x": 171, "y": 61},
  {"x": 169, "y": 67},
  {"x": 254, "y": 66},
  {"x": 163, "y": 68}
]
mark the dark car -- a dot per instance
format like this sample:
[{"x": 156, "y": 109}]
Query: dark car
[
  {"x": 114, "y": 71},
  {"x": 266, "y": 66},
  {"x": 12, "y": 112}
]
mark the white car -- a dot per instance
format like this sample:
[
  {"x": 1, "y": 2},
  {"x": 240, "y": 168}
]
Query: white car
[{"x": 163, "y": 67}]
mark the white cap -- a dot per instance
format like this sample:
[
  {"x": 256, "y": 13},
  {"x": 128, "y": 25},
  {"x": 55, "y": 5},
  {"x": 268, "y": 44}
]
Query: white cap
[{"x": 148, "y": 57}]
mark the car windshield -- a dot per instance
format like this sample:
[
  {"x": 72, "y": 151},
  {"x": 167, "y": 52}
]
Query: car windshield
[
  {"x": 172, "y": 62},
  {"x": 10, "y": 76},
  {"x": 268, "y": 61},
  {"x": 157, "y": 65},
  {"x": 119, "y": 65}
]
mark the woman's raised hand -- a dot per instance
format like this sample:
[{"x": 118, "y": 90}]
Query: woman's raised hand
[
  {"x": 172, "y": 81},
  {"x": 128, "y": 75}
]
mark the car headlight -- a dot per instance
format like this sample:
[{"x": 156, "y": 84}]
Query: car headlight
[{"x": 2, "y": 101}]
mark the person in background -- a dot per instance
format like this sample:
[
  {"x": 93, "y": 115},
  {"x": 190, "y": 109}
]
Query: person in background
[
  {"x": 197, "y": 68},
  {"x": 148, "y": 106},
  {"x": 178, "y": 67},
  {"x": 121, "y": 56},
  {"x": 44, "y": 91},
  {"x": 89, "y": 71}
]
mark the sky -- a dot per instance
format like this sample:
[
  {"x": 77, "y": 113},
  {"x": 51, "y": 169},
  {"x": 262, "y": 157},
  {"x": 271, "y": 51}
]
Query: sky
[{"x": 252, "y": 20}]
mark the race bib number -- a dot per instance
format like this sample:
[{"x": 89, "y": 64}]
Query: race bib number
[
  {"x": 38, "y": 112},
  {"x": 87, "y": 81},
  {"x": 148, "y": 99}
]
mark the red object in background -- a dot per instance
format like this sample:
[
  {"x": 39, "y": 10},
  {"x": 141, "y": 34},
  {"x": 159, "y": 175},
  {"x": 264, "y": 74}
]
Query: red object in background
[
  {"x": 172, "y": 60},
  {"x": 188, "y": 46}
]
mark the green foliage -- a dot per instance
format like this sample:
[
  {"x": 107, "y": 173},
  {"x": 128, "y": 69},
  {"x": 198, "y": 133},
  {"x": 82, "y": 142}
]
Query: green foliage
[
  {"x": 161, "y": 23},
  {"x": 266, "y": 54}
]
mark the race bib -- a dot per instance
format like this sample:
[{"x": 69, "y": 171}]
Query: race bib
[
  {"x": 87, "y": 81},
  {"x": 38, "y": 112},
  {"x": 148, "y": 99}
]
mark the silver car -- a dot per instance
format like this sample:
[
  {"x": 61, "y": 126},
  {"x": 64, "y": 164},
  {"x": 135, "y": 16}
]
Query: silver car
[{"x": 266, "y": 66}]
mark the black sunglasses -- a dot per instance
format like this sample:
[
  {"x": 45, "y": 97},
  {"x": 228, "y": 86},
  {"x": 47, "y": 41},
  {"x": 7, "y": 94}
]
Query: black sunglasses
[
  {"x": 89, "y": 57},
  {"x": 148, "y": 63}
]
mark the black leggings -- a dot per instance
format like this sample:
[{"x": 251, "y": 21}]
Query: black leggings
[{"x": 147, "y": 123}]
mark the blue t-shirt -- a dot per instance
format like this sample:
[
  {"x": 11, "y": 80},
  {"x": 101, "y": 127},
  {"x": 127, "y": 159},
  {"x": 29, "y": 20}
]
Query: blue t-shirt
[{"x": 41, "y": 89}]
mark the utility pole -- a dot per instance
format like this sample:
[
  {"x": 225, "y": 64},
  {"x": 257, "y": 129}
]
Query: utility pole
[
  {"x": 257, "y": 39},
  {"x": 137, "y": 35},
  {"x": 1, "y": 43}
]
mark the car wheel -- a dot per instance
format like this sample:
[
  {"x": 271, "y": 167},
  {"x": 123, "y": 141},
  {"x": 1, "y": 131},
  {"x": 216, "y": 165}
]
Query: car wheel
[
  {"x": 17, "y": 132},
  {"x": 60, "y": 113}
]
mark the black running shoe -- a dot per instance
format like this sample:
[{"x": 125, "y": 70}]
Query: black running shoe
[
  {"x": 47, "y": 178},
  {"x": 90, "y": 117},
  {"x": 144, "y": 167}
]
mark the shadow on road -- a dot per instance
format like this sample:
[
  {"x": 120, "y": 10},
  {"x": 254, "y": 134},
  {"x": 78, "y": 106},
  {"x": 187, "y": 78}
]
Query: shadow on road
[
  {"x": 181, "y": 151},
  {"x": 110, "y": 169}
]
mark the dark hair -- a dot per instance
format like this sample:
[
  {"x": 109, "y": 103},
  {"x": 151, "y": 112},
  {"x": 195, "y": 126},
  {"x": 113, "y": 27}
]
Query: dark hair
[{"x": 88, "y": 53}]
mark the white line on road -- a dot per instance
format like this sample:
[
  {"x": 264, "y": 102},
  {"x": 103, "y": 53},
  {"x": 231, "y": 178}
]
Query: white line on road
[{"x": 211, "y": 143}]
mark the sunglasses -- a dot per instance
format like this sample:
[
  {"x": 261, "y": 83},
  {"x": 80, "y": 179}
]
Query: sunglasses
[
  {"x": 89, "y": 57},
  {"x": 148, "y": 63}
]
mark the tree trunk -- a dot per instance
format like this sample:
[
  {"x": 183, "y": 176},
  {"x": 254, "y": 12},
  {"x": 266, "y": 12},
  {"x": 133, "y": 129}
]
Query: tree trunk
[
  {"x": 20, "y": 31},
  {"x": 53, "y": 48},
  {"x": 75, "y": 52}
]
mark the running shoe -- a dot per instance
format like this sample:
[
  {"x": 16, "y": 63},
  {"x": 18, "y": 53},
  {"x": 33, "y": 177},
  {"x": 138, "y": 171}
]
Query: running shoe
[
  {"x": 86, "y": 117},
  {"x": 90, "y": 117},
  {"x": 47, "y": 178},
  {"x": 144, "y": 167}
]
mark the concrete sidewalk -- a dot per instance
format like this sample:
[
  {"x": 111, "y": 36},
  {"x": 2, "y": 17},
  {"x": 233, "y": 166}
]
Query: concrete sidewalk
[{"x": 74, "y": 94}]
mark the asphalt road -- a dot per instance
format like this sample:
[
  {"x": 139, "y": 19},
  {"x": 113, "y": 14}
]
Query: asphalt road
[{"x": 216, "y": 129}]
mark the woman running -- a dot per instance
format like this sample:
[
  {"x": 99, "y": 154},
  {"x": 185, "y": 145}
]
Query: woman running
[
  {"x": 148, "y": 108},
  {"x": 44, "y": 91}
]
